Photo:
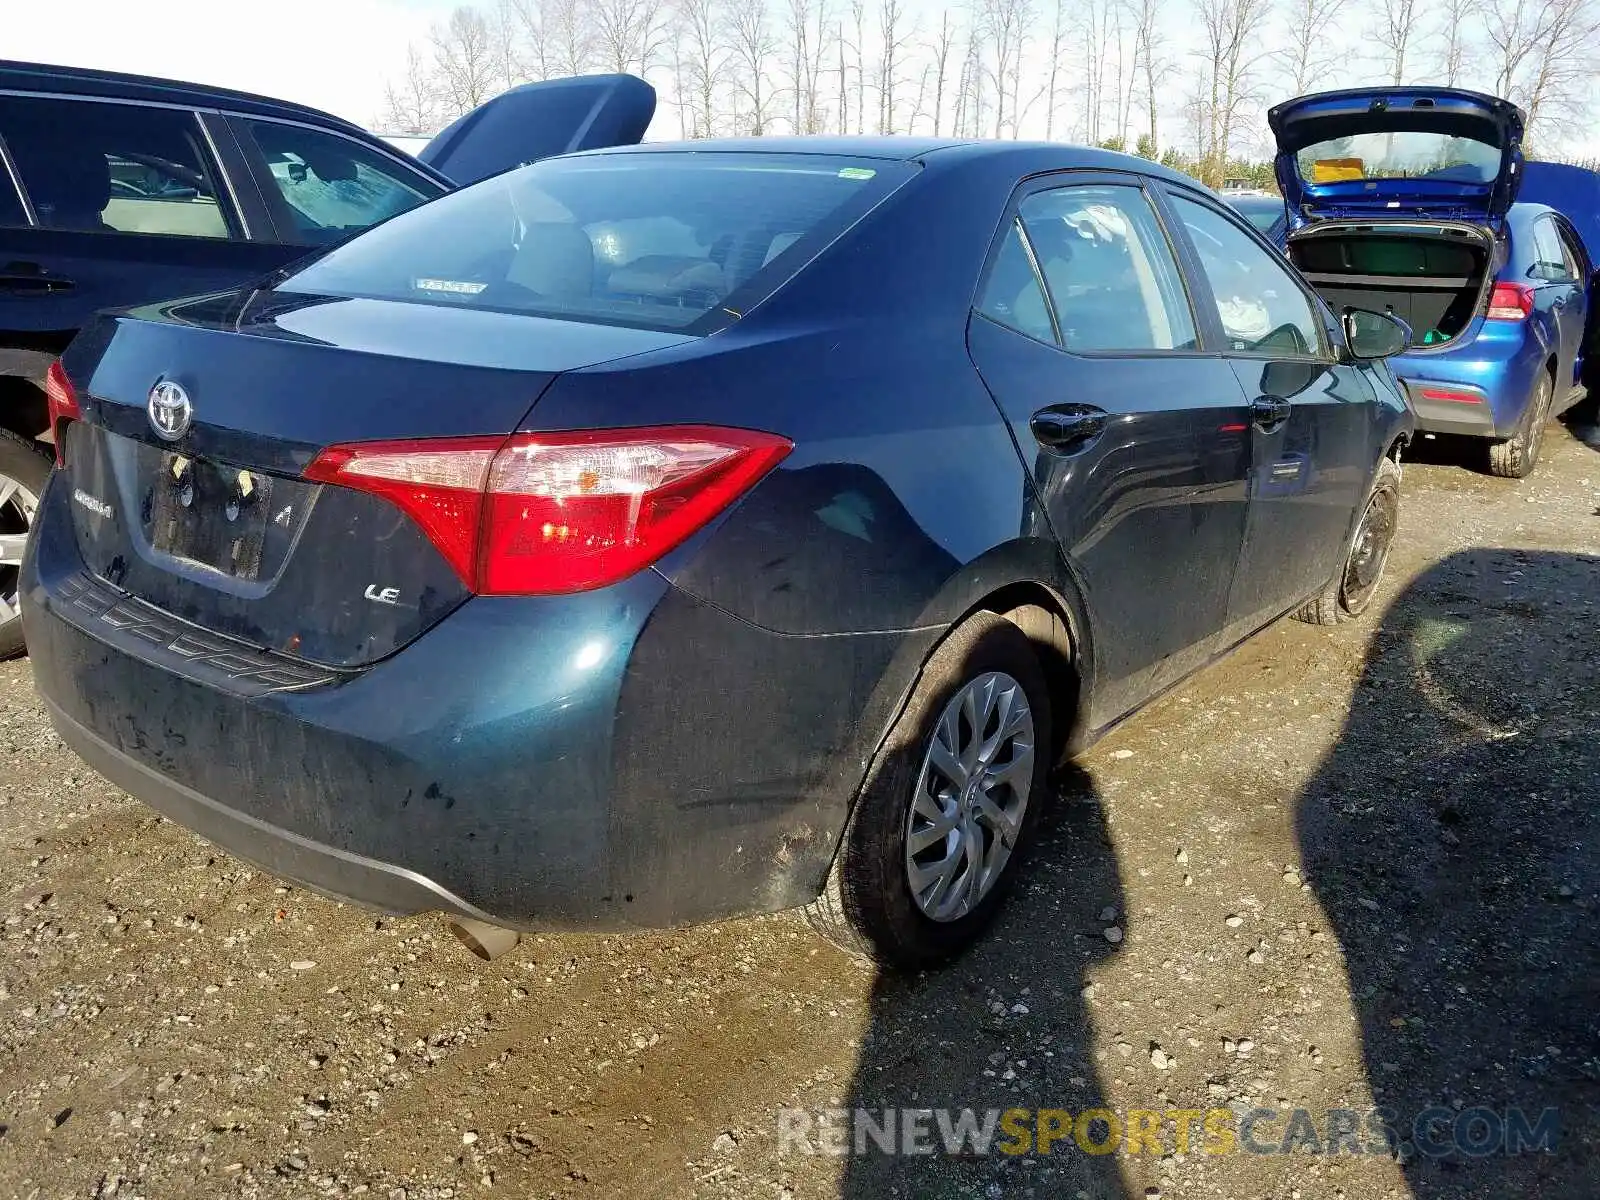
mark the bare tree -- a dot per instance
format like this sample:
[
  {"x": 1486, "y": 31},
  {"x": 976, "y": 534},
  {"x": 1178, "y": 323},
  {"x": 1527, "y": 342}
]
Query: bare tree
[
  {"x": 940, "y": 50},
  {"x": 807, "y": 24},
  {"x": 1005, "y": 28},
  {"x": 858, "y": 18},
  {"x": 753, "y": 43},
  {"x": 1232, "y": 34},
  {"x": 1092, "y": 39},
  {"x": 504, "y": 28},
  {"x": 1152, "y": 63},
  {"x": 1308, "y": 55},
  {"x": 1395, "y": 34},
  {"x": 463, "y": 58},
  {"x": 629, "y": 35},
  {"x": 1455, "y": 57},
  {"x": 1055, "y": 52},
  {"x": 411, "y": 103},
  {"x": 892, "y": 38},
  {"x": 556, "y": 37},
  {"x": 704, "y": 56},
  {"x": 1543, "y": 53}
]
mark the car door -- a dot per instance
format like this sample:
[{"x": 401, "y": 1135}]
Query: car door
[
  {"x": 1581, "y": 270},
  {"x": 1134, "y": 429},
  {"x": 1558, "y": 292},
  {"x": 1311, "y": 416},
  {"x": 123, "y": 204}
]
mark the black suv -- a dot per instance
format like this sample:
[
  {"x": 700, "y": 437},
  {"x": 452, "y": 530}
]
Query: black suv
[{"x": 119, "y": 190}]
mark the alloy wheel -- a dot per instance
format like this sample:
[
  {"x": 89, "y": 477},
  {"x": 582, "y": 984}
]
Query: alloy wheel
[
  {"x": 970, "y": 798},
  {"x": 17, "y": 508}
]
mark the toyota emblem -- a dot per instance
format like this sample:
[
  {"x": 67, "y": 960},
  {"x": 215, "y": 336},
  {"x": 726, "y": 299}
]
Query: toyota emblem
[{"x": 170, "y": 410}]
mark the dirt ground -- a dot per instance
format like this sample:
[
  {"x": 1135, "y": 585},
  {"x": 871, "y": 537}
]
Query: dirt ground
[{"x": 1353, "y": 866}]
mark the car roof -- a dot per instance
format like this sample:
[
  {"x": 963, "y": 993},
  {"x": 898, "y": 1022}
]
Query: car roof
[
  {"x": 1028, "y": 157},
  {"x": 113, "y": 85}
]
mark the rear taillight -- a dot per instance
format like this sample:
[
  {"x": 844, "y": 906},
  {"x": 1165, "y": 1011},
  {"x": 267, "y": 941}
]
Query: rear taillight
[
  {"x": 61, "y": 403},
  {"x": 538, "y": 513},
  {"x": 1510, "y": 302}
]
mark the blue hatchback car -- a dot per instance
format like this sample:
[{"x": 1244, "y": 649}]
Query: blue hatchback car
[
  {"x": 669, "y": 532},
  {"x": 1405, "y": 200}
]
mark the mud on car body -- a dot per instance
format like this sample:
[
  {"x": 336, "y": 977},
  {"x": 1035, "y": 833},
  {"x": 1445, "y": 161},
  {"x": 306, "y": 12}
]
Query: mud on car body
[{"x": 671, "y": 532}]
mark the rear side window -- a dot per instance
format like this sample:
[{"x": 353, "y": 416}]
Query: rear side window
[
  {"x": 1013, "y": 296},
  {"x": 1108, "y": 270},
  {"x": 332, "y": 186},
  {"x": 114, "y": 168},
  {"x": 670, "y": 241},
  {"x": 1261, "y": 307}
]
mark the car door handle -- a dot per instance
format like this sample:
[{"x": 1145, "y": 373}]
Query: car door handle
[
  {"x": 1068, "y": 428},
  {"x": 1269, "y": 412},
  {"x": 33, "y": 279}
]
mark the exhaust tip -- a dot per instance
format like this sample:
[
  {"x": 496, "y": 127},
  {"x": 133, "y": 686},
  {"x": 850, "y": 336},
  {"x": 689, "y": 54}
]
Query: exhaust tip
[{"x": 488, "y": 942}]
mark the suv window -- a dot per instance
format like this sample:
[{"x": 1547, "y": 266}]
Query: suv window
[
  {"x": 1012, "y": 296},
  {"x": 331, "y": 185},
  {"x": 113, "y": 168},
  {"x": 1261, "y": 307},
  {"x": 1108, "y": 270}
]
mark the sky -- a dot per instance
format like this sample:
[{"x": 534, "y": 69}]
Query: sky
[
  {"x": 331, "y": 54},
  {"x": 337, "y": 55}
]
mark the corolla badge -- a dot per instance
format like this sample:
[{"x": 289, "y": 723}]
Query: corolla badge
[{"x": 170, "y": 411}]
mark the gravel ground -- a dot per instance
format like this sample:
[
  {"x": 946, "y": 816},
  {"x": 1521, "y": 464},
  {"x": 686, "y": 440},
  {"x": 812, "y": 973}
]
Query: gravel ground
[{"x": 1344, "y": 867}]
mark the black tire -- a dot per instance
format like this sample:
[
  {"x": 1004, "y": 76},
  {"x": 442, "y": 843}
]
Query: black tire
[
  {"x": 867, "y": 907},
  {"x": 24, "y": 467},
  {"x": 1350, "y": 592},
  {"x": 1516, "y": 457}
]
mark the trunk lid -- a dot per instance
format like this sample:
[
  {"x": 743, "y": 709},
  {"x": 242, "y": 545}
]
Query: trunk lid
[
  {"x": 1444, "y": 153},
  {"x": 539, "y": 120},
  {"x": 200, "y": 417}
]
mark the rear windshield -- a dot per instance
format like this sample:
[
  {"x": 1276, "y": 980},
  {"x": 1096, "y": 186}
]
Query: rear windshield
[
  {"x": 1261, "y": 211},
  {"x": 665, "y": 240},
  {"x": 1400, "y": 155}
]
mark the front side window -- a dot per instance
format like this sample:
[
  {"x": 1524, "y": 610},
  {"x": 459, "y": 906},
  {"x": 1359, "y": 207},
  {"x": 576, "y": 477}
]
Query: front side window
[
  {"x": 669, "y": 241},
  {"x": 113, "y": 168},
  {"x": 1108, "y": 270},
  {"x": 333, "y": 186},
  {"x": 1261, "y": 307}
]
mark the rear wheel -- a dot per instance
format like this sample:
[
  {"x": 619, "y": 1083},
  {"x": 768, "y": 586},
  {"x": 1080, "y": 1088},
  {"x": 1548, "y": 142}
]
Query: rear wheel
[
  {"x": 1351, "y": 591},
  {"x": 939, "y": 827},
  {"x": 23, "y": 471},
  {"x": 1515, "y": 457}
]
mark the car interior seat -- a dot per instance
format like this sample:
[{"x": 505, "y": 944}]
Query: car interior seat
[{"x": 70, "y": 186}]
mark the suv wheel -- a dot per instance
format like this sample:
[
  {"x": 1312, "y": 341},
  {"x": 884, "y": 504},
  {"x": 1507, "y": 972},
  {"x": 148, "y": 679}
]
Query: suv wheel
[
  {"x": 1515, "y": 457},
  {"x": 1350, "y": 593},
  {"x": 23, "y": 471},
  {"x": 948, "y": 807}
]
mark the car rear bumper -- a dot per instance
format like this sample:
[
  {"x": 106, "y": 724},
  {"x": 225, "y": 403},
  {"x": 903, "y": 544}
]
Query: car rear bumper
[
  {"x": 1451, "y": 408},
  {"x": 628, "y": 758},
  {"x": 1497, "y": 363},
  {"x": 338, "y": 874}
]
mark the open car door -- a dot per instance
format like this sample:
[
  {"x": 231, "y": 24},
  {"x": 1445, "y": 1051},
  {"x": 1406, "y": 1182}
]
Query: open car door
[{"x": 540, "y": 120}]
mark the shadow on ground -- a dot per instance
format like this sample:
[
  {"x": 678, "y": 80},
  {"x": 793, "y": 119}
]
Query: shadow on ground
[
  {"x": 1453, "y": 839},
  {"x": 1000, "y": 1028}
]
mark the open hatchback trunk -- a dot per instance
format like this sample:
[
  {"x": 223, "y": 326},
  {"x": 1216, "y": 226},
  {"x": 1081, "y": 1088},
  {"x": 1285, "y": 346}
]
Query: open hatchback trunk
[
  {"x": 1401, "y": 152},
  {"x": 1395, "y": 197},
  {"x": 1431, "y": 276}
]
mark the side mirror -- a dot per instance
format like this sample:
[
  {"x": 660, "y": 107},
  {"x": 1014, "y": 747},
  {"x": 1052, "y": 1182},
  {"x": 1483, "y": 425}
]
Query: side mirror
[{"x": 1369, "y": 335}]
